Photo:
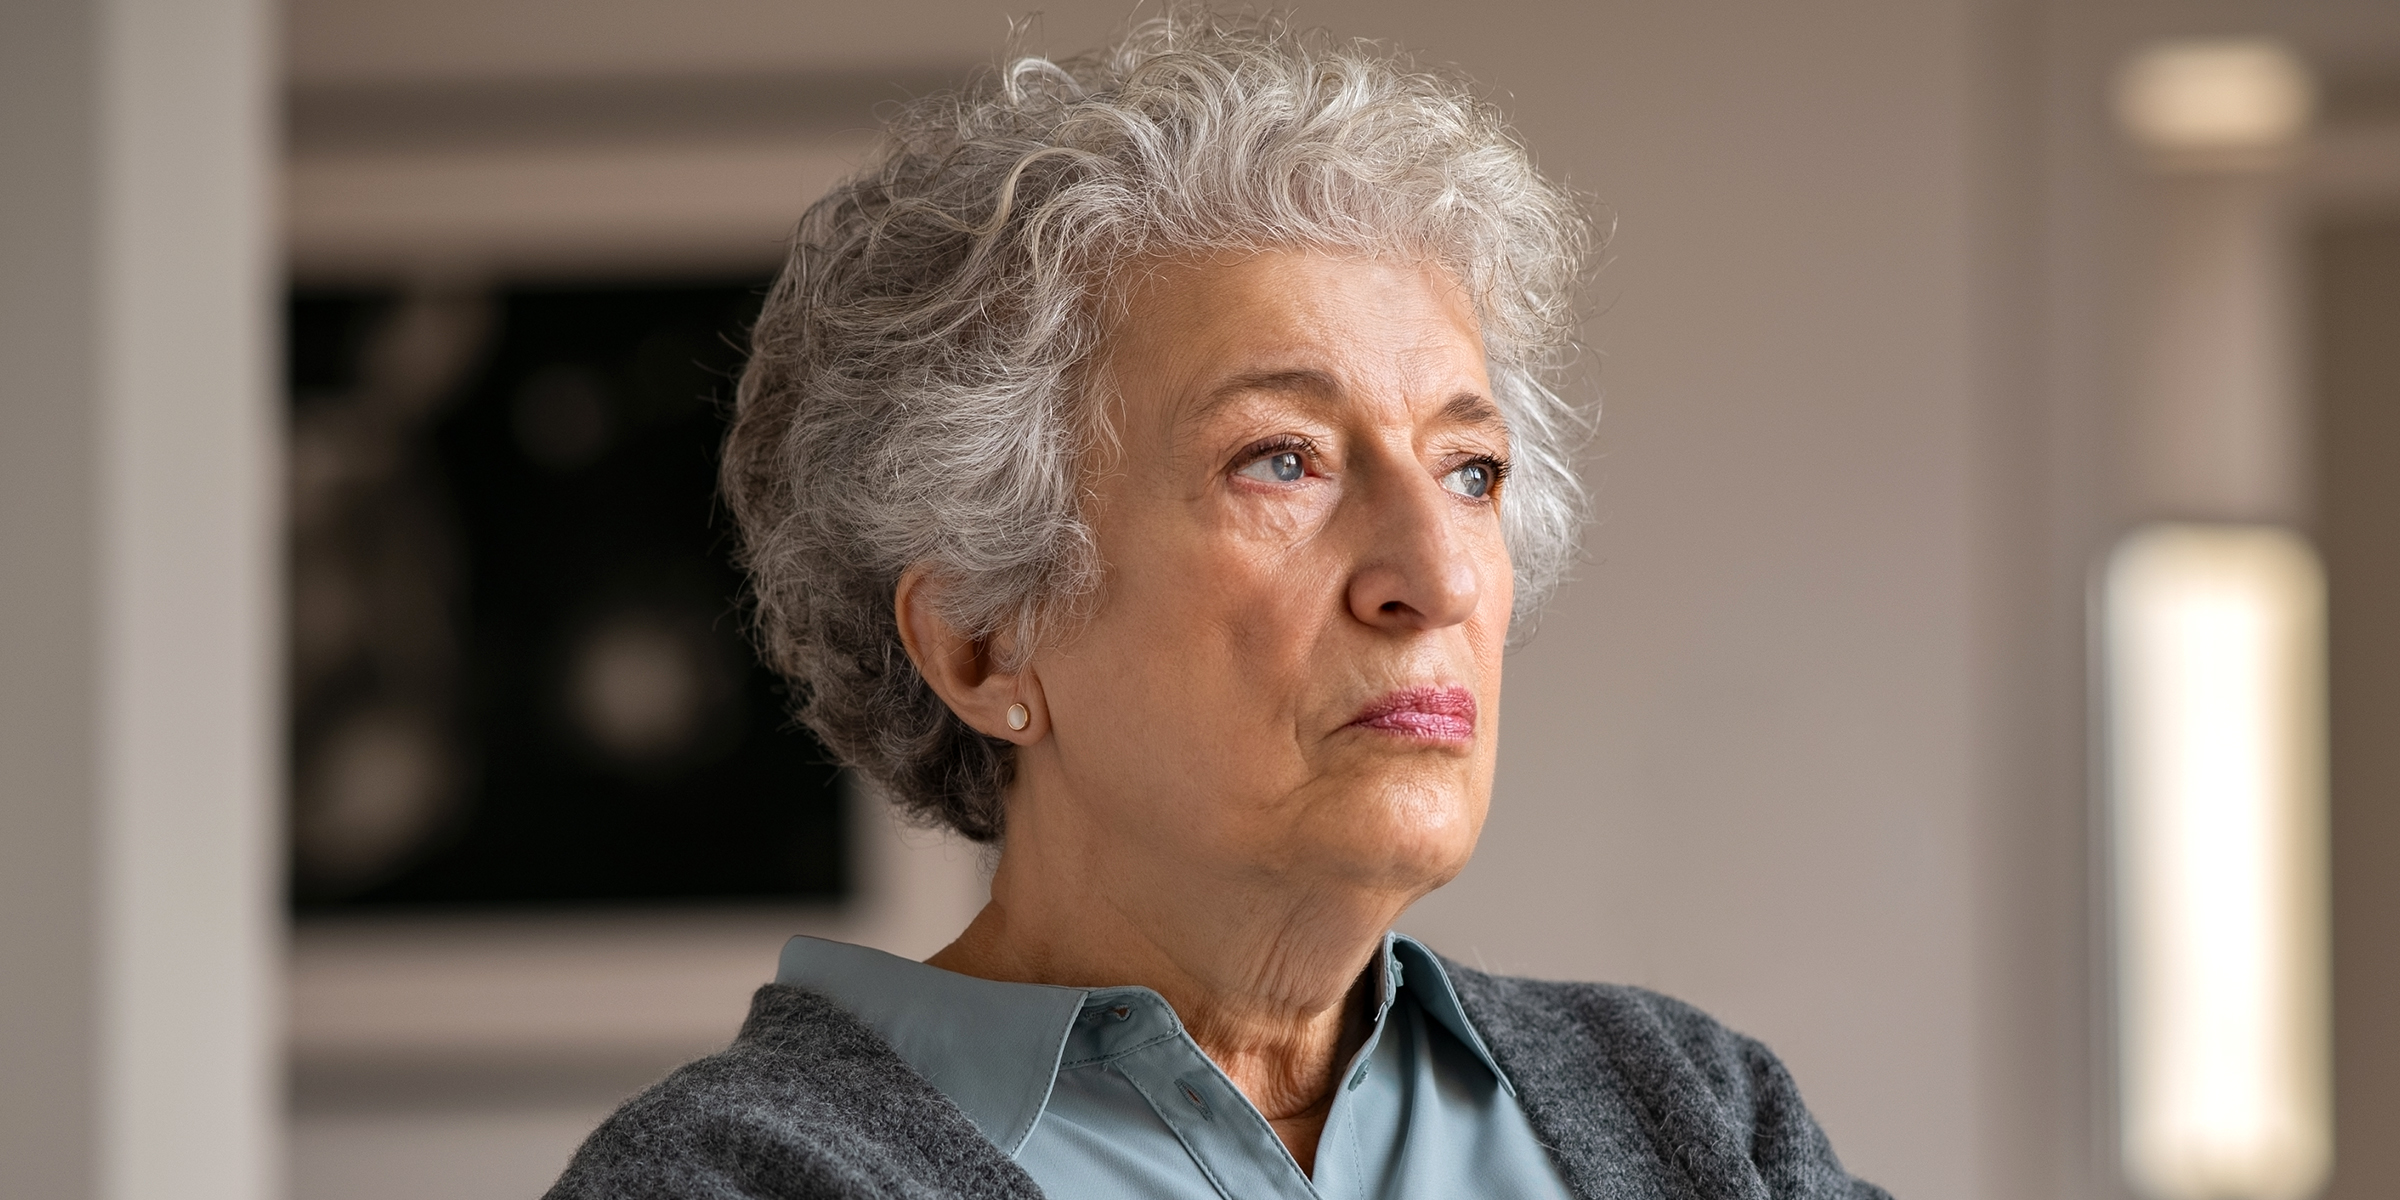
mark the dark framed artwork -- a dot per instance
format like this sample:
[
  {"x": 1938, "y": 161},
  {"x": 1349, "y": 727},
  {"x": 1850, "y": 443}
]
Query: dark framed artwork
[{"x": 520, "y": 667}]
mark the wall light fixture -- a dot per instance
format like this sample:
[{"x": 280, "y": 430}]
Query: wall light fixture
[{"x": 2213, "y": 658}]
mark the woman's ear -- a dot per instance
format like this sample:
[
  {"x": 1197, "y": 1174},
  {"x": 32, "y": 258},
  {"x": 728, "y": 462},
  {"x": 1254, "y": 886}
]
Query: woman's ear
[{"x": 960, "y": 669}]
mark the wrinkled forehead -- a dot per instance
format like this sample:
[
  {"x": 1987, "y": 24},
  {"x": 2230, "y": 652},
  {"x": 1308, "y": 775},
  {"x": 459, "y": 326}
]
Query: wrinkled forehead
[
  {"x": 1302, "y": 330},
  {"x": 1329, "y": 397}
]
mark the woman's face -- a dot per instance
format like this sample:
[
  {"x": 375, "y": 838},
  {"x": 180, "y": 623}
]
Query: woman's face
[{"x": 1293, "y": 670}]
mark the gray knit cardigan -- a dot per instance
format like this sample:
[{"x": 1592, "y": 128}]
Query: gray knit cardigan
[{"x": 1636, "y": 1096}]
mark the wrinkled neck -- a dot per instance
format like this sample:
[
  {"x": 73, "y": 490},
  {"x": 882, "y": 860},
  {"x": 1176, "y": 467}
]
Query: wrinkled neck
[{"x": 1270, "y": 975}]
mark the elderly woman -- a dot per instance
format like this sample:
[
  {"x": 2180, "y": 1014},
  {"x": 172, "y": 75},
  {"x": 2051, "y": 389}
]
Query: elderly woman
[{"x": 1142, "y": 467}]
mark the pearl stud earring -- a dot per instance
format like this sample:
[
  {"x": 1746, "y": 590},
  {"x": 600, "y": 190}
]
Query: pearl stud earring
[{"x": 1019, "y": 716}]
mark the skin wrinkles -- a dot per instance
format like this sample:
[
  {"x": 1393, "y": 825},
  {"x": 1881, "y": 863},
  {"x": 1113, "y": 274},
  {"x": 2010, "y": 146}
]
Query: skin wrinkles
[{"x": 1193, "y": 808}]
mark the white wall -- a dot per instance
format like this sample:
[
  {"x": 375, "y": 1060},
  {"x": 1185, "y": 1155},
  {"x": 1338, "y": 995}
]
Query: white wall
[{"x": 138, "y": 715}]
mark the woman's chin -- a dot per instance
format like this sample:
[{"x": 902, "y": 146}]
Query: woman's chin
[{"x": 1398, "y": 838}]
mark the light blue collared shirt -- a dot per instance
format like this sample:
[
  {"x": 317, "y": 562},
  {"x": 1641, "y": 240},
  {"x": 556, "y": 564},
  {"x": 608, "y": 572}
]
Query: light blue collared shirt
[{"x": 1099, "y": 1094}]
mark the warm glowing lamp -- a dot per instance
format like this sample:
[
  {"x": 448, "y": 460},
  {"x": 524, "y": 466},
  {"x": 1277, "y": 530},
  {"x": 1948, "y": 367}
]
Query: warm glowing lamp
[
  {"x": 2215, "y": 94},
  {"x": 2214, "y": 658}
]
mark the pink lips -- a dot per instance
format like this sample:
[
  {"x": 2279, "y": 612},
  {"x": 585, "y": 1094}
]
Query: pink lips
[{"x": 1435, "y": 714}]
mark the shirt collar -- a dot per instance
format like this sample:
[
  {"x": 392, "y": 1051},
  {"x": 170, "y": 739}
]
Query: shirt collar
[
  {"x": 1408, "y": 962},
  {"x": 991, "y": 1047},
  {"x": 994, "y": 1048}
]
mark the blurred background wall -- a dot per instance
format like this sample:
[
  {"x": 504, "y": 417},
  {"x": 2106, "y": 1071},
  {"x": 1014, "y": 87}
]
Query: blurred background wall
[
  {"x": 140, "y": 888},
  {"x": 1806, "y": 741}
]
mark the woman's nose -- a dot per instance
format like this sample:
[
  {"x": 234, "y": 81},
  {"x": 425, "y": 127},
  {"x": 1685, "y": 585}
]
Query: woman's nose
[{"x": 1415, "y": 569}]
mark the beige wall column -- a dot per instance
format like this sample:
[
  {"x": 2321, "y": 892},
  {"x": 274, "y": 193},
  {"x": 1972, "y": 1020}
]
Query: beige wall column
[
  {"x": 2220, "y": 428},
  {"x": 138, "y": 745}
]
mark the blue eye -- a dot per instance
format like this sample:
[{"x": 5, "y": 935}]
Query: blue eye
[
  {"x": 1284, "y": 466},
  {"x": 1473, "y": 480}
]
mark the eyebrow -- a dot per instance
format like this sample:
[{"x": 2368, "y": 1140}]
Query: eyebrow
[
  {"x": 1315, "y": 384},
  {"x": 1470, "y": 409},
  {"x": 1474, "y": 410}
]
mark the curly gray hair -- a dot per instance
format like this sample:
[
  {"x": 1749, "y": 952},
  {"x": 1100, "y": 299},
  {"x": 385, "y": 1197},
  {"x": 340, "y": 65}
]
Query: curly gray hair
[{"x": 918, "y": 387}]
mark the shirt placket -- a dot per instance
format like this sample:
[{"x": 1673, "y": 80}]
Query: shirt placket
[
  {"x": 1227, "y": 1137},
  {"x": 1340, "y": 1171}
]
